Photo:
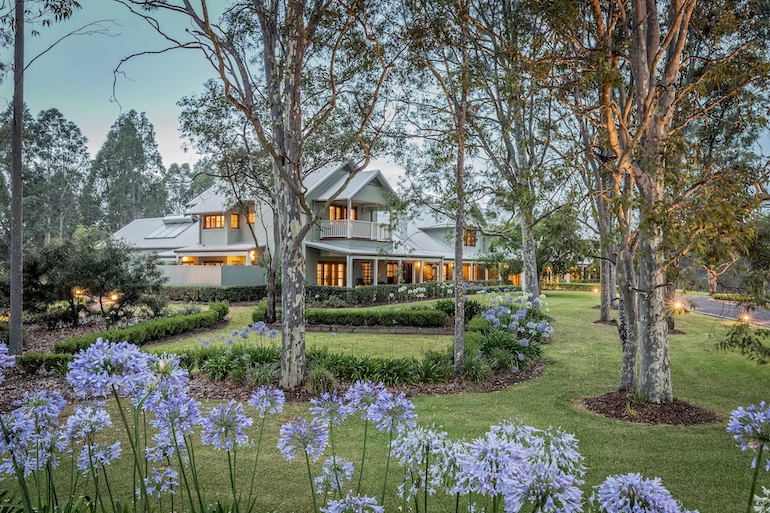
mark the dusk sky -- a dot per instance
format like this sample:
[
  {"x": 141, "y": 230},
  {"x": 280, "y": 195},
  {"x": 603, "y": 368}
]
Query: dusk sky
[{"x": 76, "y": 76}]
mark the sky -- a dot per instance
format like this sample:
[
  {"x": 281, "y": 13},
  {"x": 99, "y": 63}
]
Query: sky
[{"x": 76, "y": 76}]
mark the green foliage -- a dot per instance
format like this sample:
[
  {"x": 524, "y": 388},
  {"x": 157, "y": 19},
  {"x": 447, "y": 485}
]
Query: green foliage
[
  {"x": 333, "y": 302},
  {"x": 588, "y": 287},
  {"x": 376, "y": 317},
  {"x": 436, "y": 367},
  {"x": 31, "y": 362},
  {"x": 474, "y": 367},
  {"x": 5, "y": 334},
  {"x": 445, "y": 305},
  {"x": 320, "y": 379},
  {"x": 748, "y": 341},
  {"x": 738, "y": 298},
  {"x": 472, "y": 309},
  {"x": 149, "y": 331}
]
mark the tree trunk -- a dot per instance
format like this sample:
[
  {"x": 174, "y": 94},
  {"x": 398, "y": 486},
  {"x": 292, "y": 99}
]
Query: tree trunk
[
  {"x": 712, "y": 276},
  {"x": 529, "y": 279},
  {"x": 655, "y": 370},
  {"x": 292, "y": 287},
  {"x": 606, "y": 287},
  {"x": 628, "y": 320},
  {"x": 17, "y": 291}
]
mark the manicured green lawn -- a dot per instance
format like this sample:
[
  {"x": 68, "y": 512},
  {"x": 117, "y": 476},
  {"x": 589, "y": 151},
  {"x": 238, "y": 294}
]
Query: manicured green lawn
[{"x": 700, "y": 465}]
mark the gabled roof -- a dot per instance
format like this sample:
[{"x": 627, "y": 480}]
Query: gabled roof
[
  {"x": 211, "y": 200},
  {"x": 159, "y": 232},
  {"x": 361, "y": 180}
]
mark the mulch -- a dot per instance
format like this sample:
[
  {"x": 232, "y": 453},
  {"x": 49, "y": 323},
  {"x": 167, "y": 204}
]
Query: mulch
[{"x": 625, "y": 406}]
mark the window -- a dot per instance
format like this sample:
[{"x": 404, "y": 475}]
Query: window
[
  {"x": 392, "y": 273},
  {"x": 428, "y": 270},
  {"x": 330, "y": 273},
  {"x": 214, "y": 221},
  {"x": 337, "y": 213},
  {"x": 252, "y": 217},
  {"x": 235, "y": 221},
  {"x": 366, "y": 273},
  {"x": 469, "y": 238}
]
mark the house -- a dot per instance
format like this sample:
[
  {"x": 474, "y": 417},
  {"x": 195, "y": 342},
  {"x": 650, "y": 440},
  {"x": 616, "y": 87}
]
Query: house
[{"x": 351, "y": 244}]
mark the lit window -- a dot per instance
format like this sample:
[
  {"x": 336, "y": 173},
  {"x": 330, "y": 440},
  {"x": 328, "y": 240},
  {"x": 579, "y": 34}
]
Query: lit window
[
  {"x": 214, "y": 221},
  {"x": 330, "y": 273},
  {"x": 366, "y": 273},
  {"x": 235, "y": 221},
  {"x": 252, "y": 217},
  {"x": 469, "y": 238},
  {"x": 338, "y": 213}
]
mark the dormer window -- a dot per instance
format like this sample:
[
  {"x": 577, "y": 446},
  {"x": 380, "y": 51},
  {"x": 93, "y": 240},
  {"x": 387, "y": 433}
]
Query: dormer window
[
  {"x": 469, "y": 238},
  {"x": 213, "y": 221},
  {"x": 337, "y": 213},
  {"x": 235, "y": 221}
]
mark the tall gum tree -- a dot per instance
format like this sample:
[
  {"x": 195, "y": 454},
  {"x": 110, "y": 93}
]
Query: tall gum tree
[
  {"x": 638, "y": 57},
  {"x": 293, "y": 67}
]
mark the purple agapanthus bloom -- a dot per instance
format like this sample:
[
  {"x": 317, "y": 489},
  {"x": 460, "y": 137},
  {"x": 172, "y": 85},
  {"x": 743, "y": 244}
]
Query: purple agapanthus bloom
[
  {"x": 334, "y": 473},
  {"x": 166, "y": 379},
  {"x": 44, "y": 408},
  {"x": 97, "y": 455},
  {"x": 551, "y": 490},
  {"x": 224, "y": 426},
  {"x": 750, "y": 427},
  {"x": 493, "y": 466},
  {"x": 354, "y": 504},
  {"x": 392, "y": 412},
  {"x": 304, "y": 436},
  {"x": 329, "y": 409},
  {"x": 634, "y": 494},
  {"x": 361, "y": 396},
  {"x": 84, "y": 423},
  {"x": 267, "y": 399},
  {"x": 105, "y": 366},
  {"x": 426, "y": 454},
  {"x": 6, "y": 361},
  {"x": 15, "y": 438},
  {"x": 175, "y": 416},
  {"x": 162, "y": 481}
]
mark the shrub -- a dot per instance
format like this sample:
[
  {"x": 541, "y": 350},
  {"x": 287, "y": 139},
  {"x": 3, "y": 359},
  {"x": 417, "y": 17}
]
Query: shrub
[
  {"x": 445, "y": 305},
  {"x": 320, "y": 379},
  {"x": 146, "y": 332},
  {"x": 32, "y": 362},
  {"x": 375, "y": 317},
  {"x": 472, "y": 309},
  {"x": 334, "y": 302},
  {"x": 209, "y": 293},
  {"x": 5, "y": 334},
  {"x": 474, "y": 367},
  {"x": 436, "y": 367}
]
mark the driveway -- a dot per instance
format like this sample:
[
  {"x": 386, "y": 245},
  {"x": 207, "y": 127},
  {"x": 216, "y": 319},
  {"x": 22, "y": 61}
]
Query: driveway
[{"x": 727, "y": 310}]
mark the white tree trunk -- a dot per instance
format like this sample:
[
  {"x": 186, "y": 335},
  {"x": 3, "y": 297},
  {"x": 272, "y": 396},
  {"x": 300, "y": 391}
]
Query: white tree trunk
[
  {"x": 628, "y": 320},
  {"x": 655, "y": 369},
  {"x": 529, "y": 278}
]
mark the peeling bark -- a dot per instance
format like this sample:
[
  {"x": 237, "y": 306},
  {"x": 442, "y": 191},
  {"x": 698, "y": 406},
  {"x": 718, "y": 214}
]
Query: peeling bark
[{"x": 530, "y": 283}]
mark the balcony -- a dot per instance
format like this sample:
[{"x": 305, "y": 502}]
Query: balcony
[{"x": 348, "y": 229}]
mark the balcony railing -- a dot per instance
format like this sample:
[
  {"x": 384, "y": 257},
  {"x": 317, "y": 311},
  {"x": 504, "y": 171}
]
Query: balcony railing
[{"x": 348, "y": 229}]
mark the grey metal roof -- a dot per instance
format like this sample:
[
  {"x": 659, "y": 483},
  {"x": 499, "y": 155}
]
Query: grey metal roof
[
  {"x": 212, "y": 200},
  {"x": 219, "y": 249},
  {"x": 361, "y": 180},
  {"x": 157, "y": 233}
]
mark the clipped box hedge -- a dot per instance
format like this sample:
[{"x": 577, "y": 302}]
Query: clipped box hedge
[
  {"x": 31, "y": 362},
  {"x": 149, "y": 331},
  {"x": 211, "y": 293},
  {"x": 424, "y": 318}
]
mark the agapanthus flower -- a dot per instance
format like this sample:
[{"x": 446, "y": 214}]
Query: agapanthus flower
[
  {"x": 361, "y": 396},
  {"x": 631, "y": 493},
  {"x": 425, "y": 453},
  {"x": 84, "y": 423},
  {"x": 334, "y": 473},
  {"x": 329, "y": 409},
  {"x": 44, "y": 408},
  {"x": 161, "y": 481},
  {"x": 166, "y": 378},
  {"x": 97, "y": 455},
  {"x": 6, "y": 361},
  {"x": 354, "y": 504},
  {"x": 224, "y": 426},
  {"x": 392, "y": 412},
  {"x": 551, "y": 489},
  {"x": 105, "y": 366},
  {"x": 15, "y": 438},
  {"x": 302, "y": 435},
  {"x": 751, "y": 428},
  {"x": 175, "y": 416},
  {"x": 493, "y": 466},
  {"x": 267, "y": 399}
]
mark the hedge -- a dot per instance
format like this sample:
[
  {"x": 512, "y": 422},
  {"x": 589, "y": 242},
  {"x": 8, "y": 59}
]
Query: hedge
[
  {"x": 146, "y": 332},
  {"x": 31, "y": 362},
  {"x": 588, "y": 287},
  {"x": 210, "y": 293},
  {"x": 426, "y": 318}
]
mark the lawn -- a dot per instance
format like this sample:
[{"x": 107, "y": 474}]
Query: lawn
[{"x": 700, "y": 465}]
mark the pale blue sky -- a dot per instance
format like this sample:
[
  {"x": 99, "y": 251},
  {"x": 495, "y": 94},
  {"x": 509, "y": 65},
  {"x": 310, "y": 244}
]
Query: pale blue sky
[{"x": 77, "y": 77}]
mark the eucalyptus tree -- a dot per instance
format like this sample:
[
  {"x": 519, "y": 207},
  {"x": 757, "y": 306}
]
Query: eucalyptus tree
[
  {"x": 40, "y": 13},
  {"x": 182, "y": 183},
  {"x": 518, "y": 124},
  {"x": 219, "y": 130},
  {"x": 58, "y": 161},
  {"x": 125, "y": 181},
  {"x": 439, "y": 43},
  {"x": 293, "y": 68},
  {"x": 657, "y": 68}
]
